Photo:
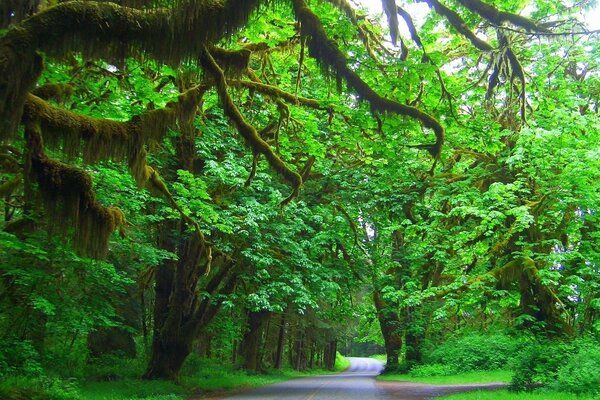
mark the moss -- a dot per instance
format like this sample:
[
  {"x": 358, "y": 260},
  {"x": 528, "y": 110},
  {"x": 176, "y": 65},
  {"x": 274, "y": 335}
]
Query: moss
[
  {"x": 331, "y": 58},
  {"x": 247, "y": 131},
  {"x": 99, "y": 139},
  {"x": 170, "y": 35},
  {"x": 9, "y": 186},
  {"x": 459, "y": 24},
  {"x": 54, "y": 91},
  {"x": 275, "y": 92},
  {"x": 68, "y": 196}
]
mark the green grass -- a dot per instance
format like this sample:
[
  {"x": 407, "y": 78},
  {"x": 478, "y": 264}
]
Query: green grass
[
  {"x": 464, "y": 378},
  {"x": 379, "y": 357},
  {"x": 341, "y": 363},
  {"x": 133, "y": 389},
  {"x": 506, "y": 395}
]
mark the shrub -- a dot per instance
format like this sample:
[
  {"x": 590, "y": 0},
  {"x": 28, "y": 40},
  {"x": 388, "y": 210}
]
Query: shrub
[
  {"x": 581, "y": 373},
  {"x": 28, "y": 388},
  {"x": 19, "y": 358},
  {"x": 475, "y": 352},
  {"x": 433, "y": 370},
  {"x": 538, "y": 363}
]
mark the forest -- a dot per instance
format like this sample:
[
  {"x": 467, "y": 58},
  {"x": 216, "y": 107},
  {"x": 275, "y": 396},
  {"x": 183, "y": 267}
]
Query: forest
[{"x": 202, "y": 195}]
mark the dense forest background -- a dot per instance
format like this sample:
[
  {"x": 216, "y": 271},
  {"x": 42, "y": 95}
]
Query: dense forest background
[{"x": 256, "y": 186}]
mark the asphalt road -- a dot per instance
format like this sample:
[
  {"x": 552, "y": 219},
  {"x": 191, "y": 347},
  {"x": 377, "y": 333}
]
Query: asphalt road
[{"x": 358, "y": 382}]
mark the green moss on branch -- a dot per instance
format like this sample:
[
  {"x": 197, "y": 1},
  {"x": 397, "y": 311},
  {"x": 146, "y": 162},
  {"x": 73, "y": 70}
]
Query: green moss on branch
[
  {"x": 246, "y": 130},
  {"x": 107, "y": 29},
  {"x": 328, "y": 54}
]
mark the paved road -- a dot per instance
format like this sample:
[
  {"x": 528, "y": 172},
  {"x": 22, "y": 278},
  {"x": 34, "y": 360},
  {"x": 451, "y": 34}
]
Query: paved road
[
  {"x": 358, "y": 382},
  {"x": 355, "y": 383}
]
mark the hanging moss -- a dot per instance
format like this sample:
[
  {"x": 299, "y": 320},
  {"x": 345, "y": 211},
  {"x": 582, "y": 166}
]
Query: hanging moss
[
  {"x": 330, "y": 57},
  {"x": 497, "y": 17},
  {"x": 68, "y": 196},
  {"x": 99, "y": 139},
  {"x": 108, "y": 30},
  {"x": 459, "y": 24},
  {"x": 247, "y": 131},
  {"x": 536, "y": 297}
]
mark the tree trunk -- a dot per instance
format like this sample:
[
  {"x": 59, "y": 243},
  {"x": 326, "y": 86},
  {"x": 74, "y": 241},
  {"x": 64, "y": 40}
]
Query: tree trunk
[
  {"x": 179, "y": 314},
  {"x": 280, "y": 342},
  {"x": 252, "y": 338},
  {"x": 390, "y": 329}
]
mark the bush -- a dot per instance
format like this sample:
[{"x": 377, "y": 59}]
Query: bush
[
  {"x": 28, "y": 388},
  {"x": 433, "y": 370},
  {"x": 581, "y": 373},
  {"x": 475, "y": 352},
  {"x": 564, "y": 366},
  {"x": 19, "y": 358}
]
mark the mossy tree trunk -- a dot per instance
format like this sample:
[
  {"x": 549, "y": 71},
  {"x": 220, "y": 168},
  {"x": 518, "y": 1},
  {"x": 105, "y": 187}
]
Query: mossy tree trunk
[
  {"x": 390, "y": 329},
  {"x": 251, "y": 341}
]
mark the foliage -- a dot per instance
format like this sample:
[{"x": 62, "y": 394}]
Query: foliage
[
  {"x": 566, "y": 366},
  {"x": 38, "y": 388},
  {"x": 470, "y": 352},
  {"x": 581, "y": 372},
  {"x": 462, "y": 378},
  {"x": 505, "y": 395}
]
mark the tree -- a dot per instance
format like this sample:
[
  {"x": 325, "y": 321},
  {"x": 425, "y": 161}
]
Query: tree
[{"x": 331, "y": 145}]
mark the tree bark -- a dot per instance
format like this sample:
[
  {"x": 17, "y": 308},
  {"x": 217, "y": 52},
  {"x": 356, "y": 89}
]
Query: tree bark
[
  {"x": 252, "y": 340},
  {"x": 390, "y": 329}
]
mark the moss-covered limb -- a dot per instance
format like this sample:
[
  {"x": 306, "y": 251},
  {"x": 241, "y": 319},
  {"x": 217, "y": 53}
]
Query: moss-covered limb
[
  {"x": 364, "y": 33},
  {"x": 234, "y": 62},
  {"x": 390, "y": 9},
  {"x": 98, "y": 139},
  {"x": 247, "y": 131},
  {"x": 53, "y": 91},
  {"x": 107, "y": 29},
  {"x": 411, "y": 26},
  {"x": 328, "y": 54},
  {"x": 275, "y": 92},
  {"x": 497, "y": 17},
  {"x": 68, "y": 196},
  {"x": 8, "y": 187},
  {"x": 458, "y": 23}
]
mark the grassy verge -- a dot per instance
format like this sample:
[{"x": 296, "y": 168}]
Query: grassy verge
[
  {"x": 133, "y": 389},
  {"x": 112, "y": 382},
  {"x": 379, "y": 357},
  {"x": 341, "y": 363},
  {"x": 506, "y": 395},
  {"x": 464, "y": 378},
  {"x": 204, "y": 376}
]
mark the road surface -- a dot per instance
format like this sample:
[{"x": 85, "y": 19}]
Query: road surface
[{"x": 357, "y": 382}]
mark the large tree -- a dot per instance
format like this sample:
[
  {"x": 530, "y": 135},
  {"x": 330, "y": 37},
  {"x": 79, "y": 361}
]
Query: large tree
[{"x": 384, "y": 108}]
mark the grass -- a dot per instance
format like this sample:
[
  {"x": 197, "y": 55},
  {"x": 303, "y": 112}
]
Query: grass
[
  {"x": 379, "y": 357},
  {"x": 199, "y": 376},
  {"x": 133, "y": 389},
  {"x": 341, "y": 363},
  {"x": 506, "y": 395},
  {"x": 463, "y": 378}
]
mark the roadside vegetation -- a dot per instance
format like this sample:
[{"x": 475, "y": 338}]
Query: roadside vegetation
[{"x": 211, "y": 194}]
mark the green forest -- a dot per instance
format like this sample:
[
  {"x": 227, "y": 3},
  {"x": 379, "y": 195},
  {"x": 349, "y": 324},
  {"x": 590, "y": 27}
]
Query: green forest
[{"x": 204, "y": 195}]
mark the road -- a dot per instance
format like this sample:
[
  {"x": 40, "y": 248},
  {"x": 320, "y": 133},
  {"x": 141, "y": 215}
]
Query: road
[{"x": 358, "y": 382}]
